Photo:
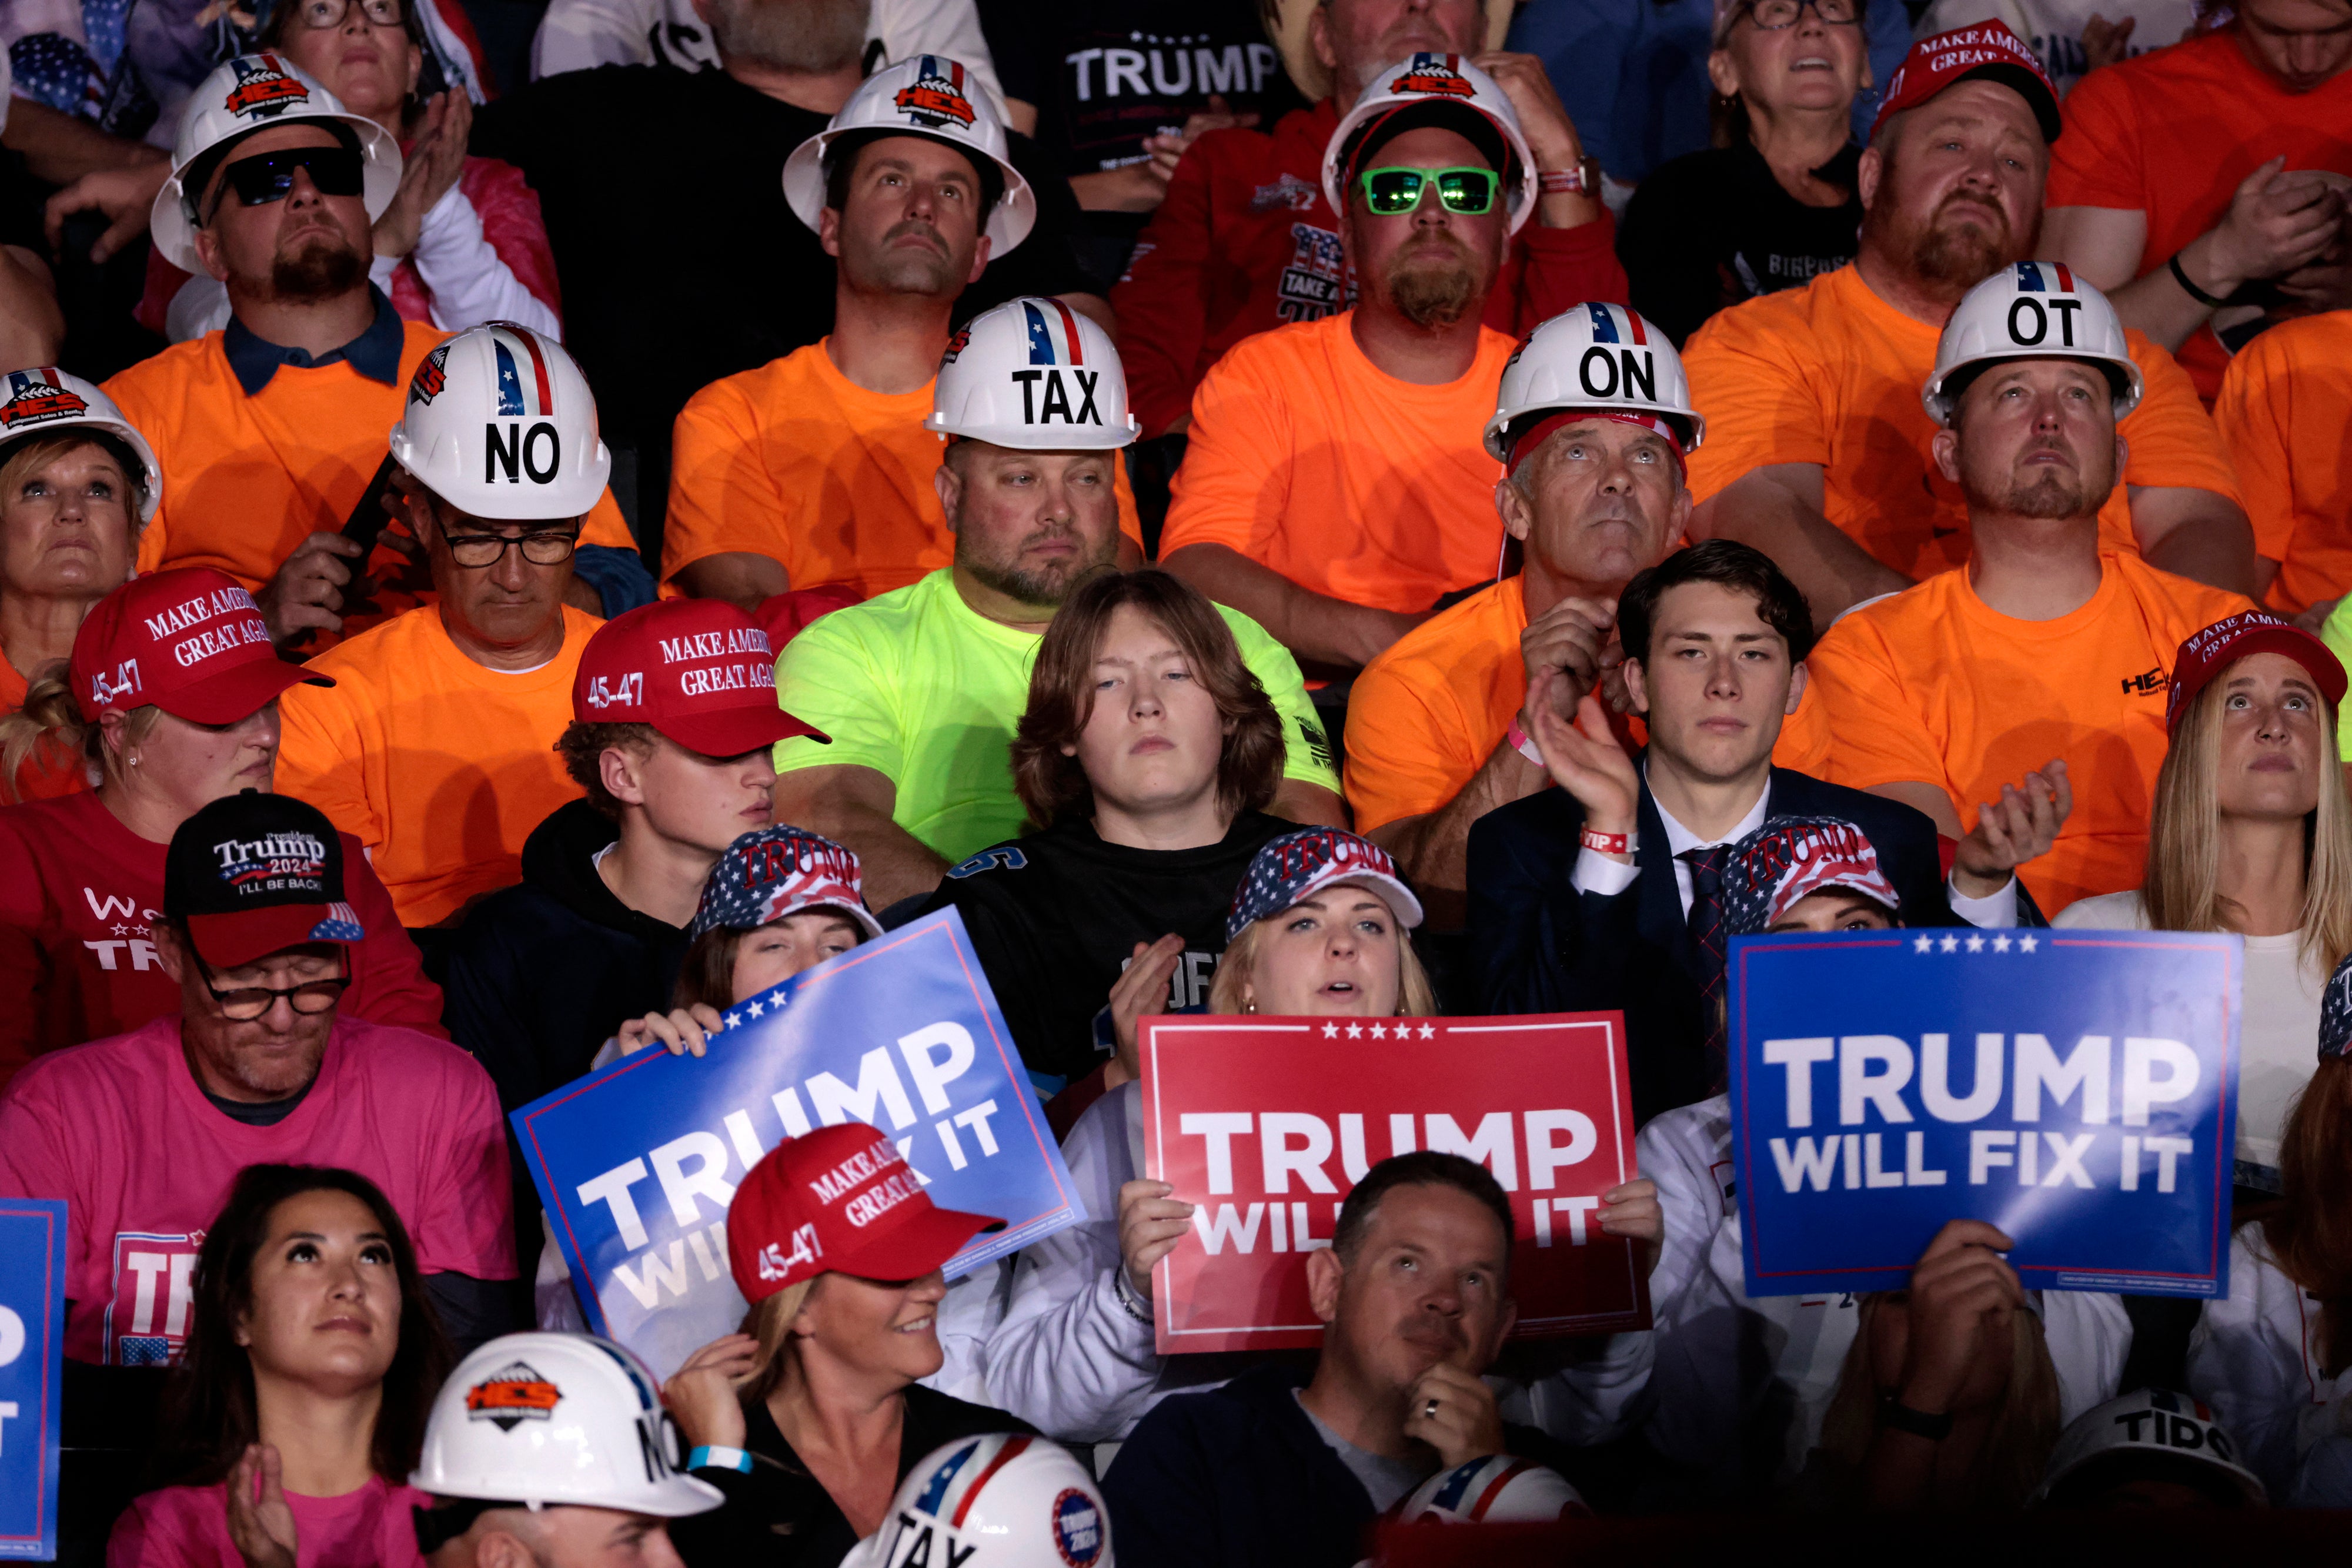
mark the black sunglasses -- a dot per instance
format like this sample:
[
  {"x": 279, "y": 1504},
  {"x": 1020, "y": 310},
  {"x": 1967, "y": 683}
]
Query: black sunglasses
[{"x": 267, "y": 177}]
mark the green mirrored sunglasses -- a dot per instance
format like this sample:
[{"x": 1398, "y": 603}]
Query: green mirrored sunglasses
[{"x": 1388, "y": 192}]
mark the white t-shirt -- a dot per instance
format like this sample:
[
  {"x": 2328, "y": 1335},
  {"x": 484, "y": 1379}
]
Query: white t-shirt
[
  {"x": 2053, "y": 28},
  {"x": 2278, "y": 1034}
]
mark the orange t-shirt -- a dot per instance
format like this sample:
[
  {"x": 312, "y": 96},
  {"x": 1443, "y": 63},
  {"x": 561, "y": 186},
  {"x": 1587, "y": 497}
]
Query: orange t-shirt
[
  {"x": 2286, "y": 408},
  {"x": 246, "y": 479},
  {"x": 795, "y": 461},
  {"x": 1830, "y": 374},
  {"x": 1424, "y": 717},
  {"x": 1308, "y": 459},
  {"x": 439, "y": 767},
  {"x": 1932, "y": 687},
  {"x": 2169, "y": 133}
]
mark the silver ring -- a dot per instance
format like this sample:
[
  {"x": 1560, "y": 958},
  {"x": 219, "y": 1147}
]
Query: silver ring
[{"x": 1429, "y": 1409}]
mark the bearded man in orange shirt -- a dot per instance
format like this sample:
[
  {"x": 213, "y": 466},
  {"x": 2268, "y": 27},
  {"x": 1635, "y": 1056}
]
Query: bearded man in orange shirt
[{"x": 1818, "y": 449}]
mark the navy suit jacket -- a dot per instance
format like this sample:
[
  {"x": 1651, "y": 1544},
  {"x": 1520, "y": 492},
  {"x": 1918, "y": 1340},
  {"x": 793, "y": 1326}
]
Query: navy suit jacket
[{"x": 1542, "y": 946}]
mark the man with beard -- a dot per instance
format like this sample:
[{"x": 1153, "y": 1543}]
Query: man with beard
[
  {"x": 680, "y": 259},
  {"x": 1818, "y": 447},
  {"x": 1335, "y": 489},
  {"x": 270, "y": 430},
  {"x": 920, "y": 689},
  {"x": 814, "y": 471},
  {"x": 2046, "y": 642}
]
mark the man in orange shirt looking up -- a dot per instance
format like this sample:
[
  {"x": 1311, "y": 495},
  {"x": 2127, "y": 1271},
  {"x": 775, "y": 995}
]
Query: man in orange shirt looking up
[
  {"x": 2285, "y": 405},
  {"x": 1820, "y": 452},
  {"x": 1594, "y": 423},
  {"x": 2204, "y": 186},
  {"x": 435, "y": 749},
  {"x": 270, "y": 430},
  {"x": 814, "y": 470},
  {"x": 1335, "y": 487},
  {"x": 2045, "y": 644}
]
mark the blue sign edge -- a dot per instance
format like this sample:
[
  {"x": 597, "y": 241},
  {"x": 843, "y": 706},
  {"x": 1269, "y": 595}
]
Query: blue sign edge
[{"x": 43, "y": 1547}]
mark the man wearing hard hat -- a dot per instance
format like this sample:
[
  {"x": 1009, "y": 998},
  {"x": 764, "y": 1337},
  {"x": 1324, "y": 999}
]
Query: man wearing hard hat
[
  {"x": 814, "y": 470},
  {"x": 552, "y": 1450},
  {"x": 436, "y": 747},
  {"x": 920, "y": 689},
  {"x": 1246, "y": 239},
  {"x": 2045, "y": 639},
  {"x": 272, "y": 430}
]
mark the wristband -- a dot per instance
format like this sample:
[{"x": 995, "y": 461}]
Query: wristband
[
  {"x": 1584, "y": 180},
  {"x": 1522, "y": 744},
  {"x": 707, "y": 1458},
  {"x": 1606, "y": 844},
  {"x": 2181, "y": 275},
  {"x": 1130, "y": 1300},
  {"x": 1894, "y": 1413}
]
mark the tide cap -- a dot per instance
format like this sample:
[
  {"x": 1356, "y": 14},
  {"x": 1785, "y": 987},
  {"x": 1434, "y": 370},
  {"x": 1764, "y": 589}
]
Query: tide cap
[
  {"x": 1789, "y": 859},
  {"x": 1988, "y": 49},
  {"x": 2335, "y": 1013},
  {"x": 2214, "y": 648},
  {"x": 1297, "y": 866},
  {"x": 772, "y": 873},
  {"x": 252, "y": 874},
  {"x": 697, "y": 670},
  {"x": 1003, "y": 1500},
  {"x": 190, "y": 642},
  {"x": 840, "y": 1200},
  {"x": 2153, "y": 1428}
]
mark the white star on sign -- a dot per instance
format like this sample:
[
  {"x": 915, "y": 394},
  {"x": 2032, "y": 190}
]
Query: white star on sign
[
  {"x": 1925, "y": 945},
  {"x": 755, "y": 1010},
  {"x": 1429, "y": 1031},
  {"x": 1355, "y": 1032},
  {"x": 1976, "y": 944},
  {"x": 1380, "y": 1031},
  {"x": 1330, "y": 1032},
  {"x": 2025, "y": 944},
  {"x": 734, "y": 1018},
  {"x": 2000, "y": 944},
  {"x": 1951, "y": 944}
]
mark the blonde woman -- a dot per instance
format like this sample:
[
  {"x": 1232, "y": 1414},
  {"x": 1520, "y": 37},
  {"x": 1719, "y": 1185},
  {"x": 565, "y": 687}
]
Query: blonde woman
[
  {"x": 2252, "y": 832},
  {"x": 810, "y": 1418}
]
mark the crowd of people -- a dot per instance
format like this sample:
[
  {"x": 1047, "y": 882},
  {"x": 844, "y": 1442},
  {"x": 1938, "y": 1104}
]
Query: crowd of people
[{"x": 1413, "y": 508}]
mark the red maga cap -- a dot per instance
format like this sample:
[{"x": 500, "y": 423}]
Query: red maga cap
[
  {"x": 2207, "y": 652},
  {"x": 190, "y": 642},
  {"x": 1988, "y": 49},
  {"x": 838, "y": 1200},
  {"x": 697, "y": 670}
]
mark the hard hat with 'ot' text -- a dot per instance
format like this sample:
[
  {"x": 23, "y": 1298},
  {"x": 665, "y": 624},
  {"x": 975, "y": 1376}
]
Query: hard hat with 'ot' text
[{"x": 2032, "y": 310}]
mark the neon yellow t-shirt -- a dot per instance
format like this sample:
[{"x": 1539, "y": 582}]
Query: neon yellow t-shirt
[
  {"x": 917, "y": 686},
  {"x": 2336, "y": 633}
]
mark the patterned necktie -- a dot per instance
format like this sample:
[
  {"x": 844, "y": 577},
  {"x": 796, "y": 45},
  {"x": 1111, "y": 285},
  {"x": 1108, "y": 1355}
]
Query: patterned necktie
[{"x": 1706, "y": 937}]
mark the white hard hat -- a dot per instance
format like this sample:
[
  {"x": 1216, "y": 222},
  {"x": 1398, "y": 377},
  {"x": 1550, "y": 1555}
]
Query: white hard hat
[
  {"x": 1036, "y": 374},
  {"x": 45, "y": 400},
  {"x": 253, "y": 93},
  {"x": 998, "y": 1502},
  {"x": 1594, "y": 356},
  {"x": 931, "y": 96},
  {"x": 501, "y": 424},
  {"x": 2151, "y": 1422},
  {"x": 1429, "y": 78},
  {"x": 1497, "y": 1489},
  {"x": 2032, "y": 310},
  {"x": 544, "y": 1419}
]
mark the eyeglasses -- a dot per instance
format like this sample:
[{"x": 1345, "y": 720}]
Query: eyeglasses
[
  {"x": 268, "y": 177},
  {"x": 1773, "y": 15},
  {"x": 1388, "y": 192},
  {"x": 480, "y": 550},
  {"x": 247, "y": 1003},
  {"x": 330, "y": 13}
]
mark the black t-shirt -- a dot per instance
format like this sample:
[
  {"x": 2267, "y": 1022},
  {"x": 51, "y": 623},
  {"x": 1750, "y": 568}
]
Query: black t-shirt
[
  {"x": 1710, "y": 229},
  {"x": 1055, "y": 916},
  {"x": 1106, "y": 74},
  {"x": 680, "y": 261}
]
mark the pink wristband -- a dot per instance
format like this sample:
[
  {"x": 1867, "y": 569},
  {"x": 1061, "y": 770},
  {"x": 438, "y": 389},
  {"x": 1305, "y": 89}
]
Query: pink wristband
[{"x": 1522, "y": 744}]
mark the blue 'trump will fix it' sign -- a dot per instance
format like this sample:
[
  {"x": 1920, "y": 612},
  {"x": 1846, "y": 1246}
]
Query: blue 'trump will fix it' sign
[{"x": 2077, "y": 1089}]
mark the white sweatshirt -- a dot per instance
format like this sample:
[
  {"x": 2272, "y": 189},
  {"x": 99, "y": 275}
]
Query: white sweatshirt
[{"x": 2253, "y": 1360}]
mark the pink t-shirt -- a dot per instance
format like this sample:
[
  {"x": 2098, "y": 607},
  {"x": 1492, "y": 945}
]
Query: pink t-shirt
[
  {"x": 187, "y": 1527},
  {"x": 120, "y": 1130}
]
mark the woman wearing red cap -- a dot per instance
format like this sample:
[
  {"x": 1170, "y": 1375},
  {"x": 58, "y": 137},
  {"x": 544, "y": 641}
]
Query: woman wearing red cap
[
  {"x": 171, "y": 700},
  {"x": 2250, "y": 832},
  {"x": 810, "y": 1418}
]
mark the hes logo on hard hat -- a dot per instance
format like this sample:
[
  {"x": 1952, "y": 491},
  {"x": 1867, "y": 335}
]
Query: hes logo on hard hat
[
  {"x": 431, "y": 376},
  {"x": 35, "y": 399},
  {"x": 937, "y": 98},
  {"x": 511, "y": 1396},
  {"x": 1434, "y": 74},
  {"x": 263, "y": 89}
]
